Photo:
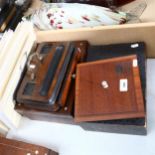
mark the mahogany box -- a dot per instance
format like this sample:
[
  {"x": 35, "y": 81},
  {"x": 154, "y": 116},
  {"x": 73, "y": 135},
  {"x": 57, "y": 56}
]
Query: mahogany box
[
  {"x": 108, "y": 89},
  {"x": 12, "y": 147},
  {"x": 104, "y": 35},
  {"x": 131, "y": 123}
]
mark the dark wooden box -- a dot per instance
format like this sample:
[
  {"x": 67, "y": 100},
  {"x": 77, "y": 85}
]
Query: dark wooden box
[
  {"x": 12, "y": 147},
  {"x": 128, "y": 126}
]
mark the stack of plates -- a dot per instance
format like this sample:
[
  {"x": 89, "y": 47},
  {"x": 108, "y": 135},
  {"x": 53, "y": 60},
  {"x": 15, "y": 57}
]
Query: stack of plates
[{"x": 74, "y": 15}]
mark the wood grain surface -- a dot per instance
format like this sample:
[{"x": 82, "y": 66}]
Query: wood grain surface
[
  {"x": 29, "y": 91},
  {"x": 94, "y": 102},
  {"x": 12, "y": 147}
]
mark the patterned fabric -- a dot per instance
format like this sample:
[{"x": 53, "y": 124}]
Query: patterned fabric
[{"x": 74, "y": 15}]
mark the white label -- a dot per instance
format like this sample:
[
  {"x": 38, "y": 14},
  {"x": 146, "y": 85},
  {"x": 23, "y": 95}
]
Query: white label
[
  {"x": 135, "y": 63},
  {"x": 123, "y": 85},
  {"x": 135, "y": 45}
]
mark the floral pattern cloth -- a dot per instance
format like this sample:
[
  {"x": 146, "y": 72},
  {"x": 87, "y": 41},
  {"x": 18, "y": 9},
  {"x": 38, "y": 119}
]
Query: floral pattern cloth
[{"x": 74, "y": 15}]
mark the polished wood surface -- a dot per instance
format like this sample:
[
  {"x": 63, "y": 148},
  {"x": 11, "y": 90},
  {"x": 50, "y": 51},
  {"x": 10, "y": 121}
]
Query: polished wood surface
[
  {"x": 94, "y": 101},
  {"x": 12, "y": 147},
  {"x": 51, "y": 78}
]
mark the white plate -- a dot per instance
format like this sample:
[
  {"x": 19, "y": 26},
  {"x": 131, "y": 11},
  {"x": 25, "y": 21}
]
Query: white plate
[{"x": 74, "y": 15}]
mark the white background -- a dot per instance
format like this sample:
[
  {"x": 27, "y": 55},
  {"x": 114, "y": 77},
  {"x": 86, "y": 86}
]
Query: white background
[{"x": 73, "y": 140}]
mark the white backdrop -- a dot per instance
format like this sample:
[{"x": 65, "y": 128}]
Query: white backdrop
[{"x": 73, "y": 140}]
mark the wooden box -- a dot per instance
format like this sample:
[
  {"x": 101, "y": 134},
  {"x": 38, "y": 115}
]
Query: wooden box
[
  {"x": 109, "y": 89},
  {"x": 128, "y": 33},
  {"x": 12, "y": 147}
]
